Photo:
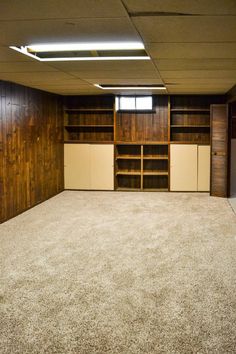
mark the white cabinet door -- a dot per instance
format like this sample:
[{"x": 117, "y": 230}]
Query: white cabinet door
[
  {"x": 204, "y": 168},
  {"x": 183, "y": 167},
  {"x": 77, "y": 166},
  {"x": 102, "y": 167}
]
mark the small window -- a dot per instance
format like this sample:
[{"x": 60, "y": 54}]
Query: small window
[{"x": 133, "y": 103}]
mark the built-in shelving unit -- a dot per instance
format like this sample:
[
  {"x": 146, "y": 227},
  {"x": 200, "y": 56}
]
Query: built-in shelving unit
[
  {"x": 89, "y": 122},
  {"x": 189, "y": 120},
  {"x": 142, "y": 167}
]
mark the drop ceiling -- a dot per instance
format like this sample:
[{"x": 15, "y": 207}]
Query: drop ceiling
[{"x": 192, "y": 44}]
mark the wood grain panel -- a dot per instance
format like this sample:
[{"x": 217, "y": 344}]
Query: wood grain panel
[
  {"x": 219, "y": 150},
  {"x": 144, "y": 127},
  {"x": 31, "y": 148}
]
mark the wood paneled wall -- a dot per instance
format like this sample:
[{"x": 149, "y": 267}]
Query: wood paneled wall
[
  {"x": 144, "y": 127},
  {"x": 31, "y": 148}
]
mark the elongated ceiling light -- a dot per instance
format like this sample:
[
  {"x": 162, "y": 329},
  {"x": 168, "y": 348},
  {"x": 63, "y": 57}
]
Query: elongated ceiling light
[
  {"x": 131, "y": 87},
  {"x": 85, "y": 51}
]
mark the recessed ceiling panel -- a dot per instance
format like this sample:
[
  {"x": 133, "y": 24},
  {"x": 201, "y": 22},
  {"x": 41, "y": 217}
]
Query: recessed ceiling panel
[
  {"x": 56, "y": 9},
  {"x": 192, "y": 50},
  {"x": 167, "y": 29},
  {"x": 205, "y": 7},
  {"x": 52, "y": 31}
]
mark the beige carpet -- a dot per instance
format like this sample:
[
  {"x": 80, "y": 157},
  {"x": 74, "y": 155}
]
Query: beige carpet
[{"x": 130, "y": 273}]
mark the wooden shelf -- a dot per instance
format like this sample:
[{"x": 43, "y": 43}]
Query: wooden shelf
[
  {"x": 88, "y": 126},
  {"x": 155, "y": 173},
  {"x": 128, "y": 173},
  {"x": 153, "y": 157},
  {"x": 89, "y": 110},
  {"x": 141, "y": 143},
  {"x": 203, "y": 110},
  {"x": 88, "y": 141},
  {"x": 190, "y": 142},
  {"x": 155, "y": 189},
  {"x": 128, "y": 157},
  {"x": 123, "y": 189},
  {"x": 190, "y": 126}
]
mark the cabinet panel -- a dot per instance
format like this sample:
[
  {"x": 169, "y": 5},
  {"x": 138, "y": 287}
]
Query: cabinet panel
[
  {"x": 102, "y": 167},
  {"x": 77, "y": 166},
  {"x": 204, "y": 168},
  {"x": 183, "y": 167}
]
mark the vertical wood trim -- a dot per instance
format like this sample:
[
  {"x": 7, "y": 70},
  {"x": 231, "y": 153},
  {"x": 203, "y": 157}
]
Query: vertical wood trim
[
  {"x": 219, "y": 150},
  {"x": 169, "y": 119},
  {"x": 141, "y": 185}
]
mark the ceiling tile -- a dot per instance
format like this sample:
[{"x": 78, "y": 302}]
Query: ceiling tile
[
  {"x": 51, "y": 31},
  {"x": 196, "y": 64},
  {"x": 186, "y": 28},
  {"x": 35, "y": 77},
  {"x": 192, "y": 74},
  {"x": 56, "y": 9},
  {"x": 205, "y": 7},
  {"x": 125, "y": 81},
  {"x": 9, "y": 55},
  {"x": 116, "y": 75},
  {"x": 21, "y": 67},
  {"x": 191, "y": 50},
  {"x": 106, "y": 65}
]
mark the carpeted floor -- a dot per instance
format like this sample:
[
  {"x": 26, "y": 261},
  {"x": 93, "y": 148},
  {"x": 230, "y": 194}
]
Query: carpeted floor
[{"x": 127, "y": 273}]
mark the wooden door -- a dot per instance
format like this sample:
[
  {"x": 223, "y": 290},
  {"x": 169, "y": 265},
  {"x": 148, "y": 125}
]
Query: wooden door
[
  {"x": 77, "y": 166},
  {"x": 183, "y": 167},
  {"x": 204, "y": 158},
  {"x": 219, "y": 150},
  {"x": 102, "y": 166}
]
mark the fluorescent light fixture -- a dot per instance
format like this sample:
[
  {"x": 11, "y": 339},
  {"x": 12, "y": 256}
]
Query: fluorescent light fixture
[
  {"x": 85, "y": 46},
  {"x": 85, "y": 51},
  {"x": 138, "y": 87}
]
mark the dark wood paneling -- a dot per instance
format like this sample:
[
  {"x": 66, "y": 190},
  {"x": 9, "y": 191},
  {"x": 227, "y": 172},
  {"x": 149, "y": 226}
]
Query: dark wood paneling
[
  {"x": 233, "y": 119},
  {"x": 144, "y": 127},
  {"x": 31, "y": 148},
  {"x": 219, "y": 150}
]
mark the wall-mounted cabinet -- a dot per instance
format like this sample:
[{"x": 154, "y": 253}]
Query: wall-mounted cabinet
[
  {"x": 142, "y": 167},
  {"x": 89, "y": 166}
]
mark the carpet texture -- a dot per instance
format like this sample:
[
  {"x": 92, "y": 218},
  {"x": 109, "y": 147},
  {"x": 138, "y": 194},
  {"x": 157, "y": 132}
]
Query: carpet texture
[{"x": 127, "y": 273}]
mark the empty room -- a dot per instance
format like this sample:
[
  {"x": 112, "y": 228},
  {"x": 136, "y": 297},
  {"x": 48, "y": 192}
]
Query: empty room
[{"x": 118, "y": 177}]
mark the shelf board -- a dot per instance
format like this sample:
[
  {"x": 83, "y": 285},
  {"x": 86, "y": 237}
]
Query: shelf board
[
  {"x": 155, "y": 189},
  {"x": 190, "y": 142},
  {"x": 204, "y": 110},
  {"x": 190, "y": 126},
  {"x": 144, "y": 143},
  {"x": 155, "y": 157},
  {"x": 88, "y": 110},
  {"x": 128, "y": 173},
  {"x": 128, "y": 157},
  {"x": 88, "y": 142},
  {"x": 128, "y": 189},
  {"x": 88, "y": 126},
  {"x": 155, "y": 173}
]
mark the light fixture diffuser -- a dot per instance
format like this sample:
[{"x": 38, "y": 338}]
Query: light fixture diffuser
[
  {"x": 85, "y": 51},
  {"x": 131, "y": 87}
]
